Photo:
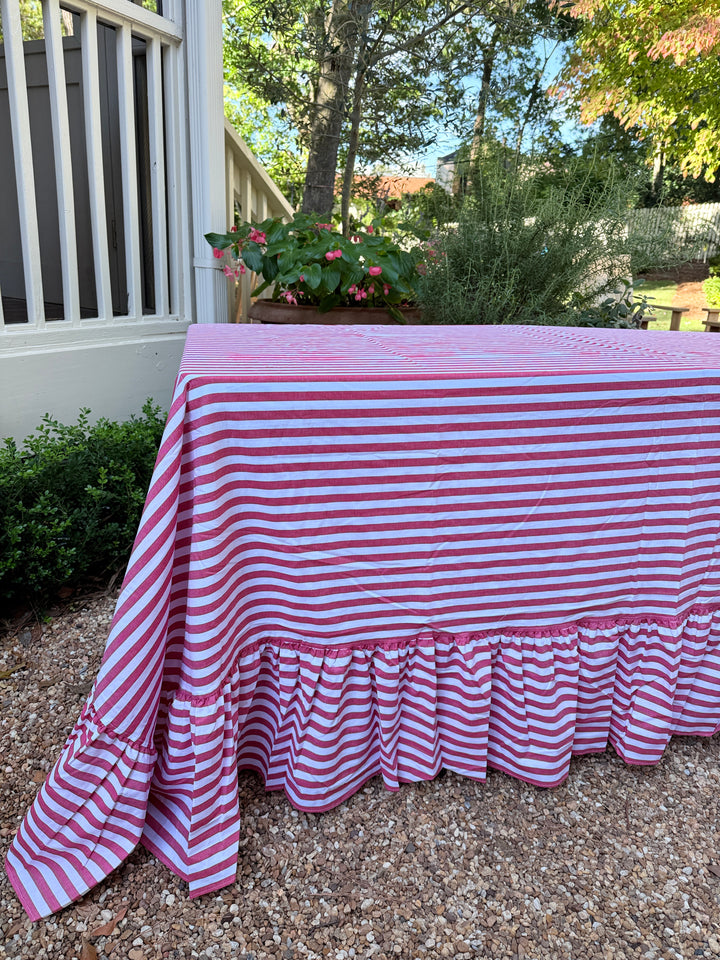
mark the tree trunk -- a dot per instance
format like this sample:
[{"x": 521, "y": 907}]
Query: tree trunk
[
  {"x": 349, "y": 173},
  {"x": 480, "y": 116},
  {"x": 478, "y": 136},
  {"x": 330, "y": 107},
  {"x": 526, "y": 118},
  {"x": 355, "y": 118}
]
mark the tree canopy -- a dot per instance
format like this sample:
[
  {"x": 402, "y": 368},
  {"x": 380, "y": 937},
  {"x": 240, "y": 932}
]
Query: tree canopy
[
  {"x": 654, "y": 65},
  {"x": 359, "y": 80}
]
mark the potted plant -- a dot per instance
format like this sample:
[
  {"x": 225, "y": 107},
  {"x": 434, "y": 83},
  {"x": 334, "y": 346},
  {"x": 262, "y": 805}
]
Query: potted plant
[{"x": 316, "y": 275}]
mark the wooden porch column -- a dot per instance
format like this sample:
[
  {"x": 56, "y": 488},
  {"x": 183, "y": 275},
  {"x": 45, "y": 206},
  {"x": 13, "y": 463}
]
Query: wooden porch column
[{"x": 203, "y": 48}]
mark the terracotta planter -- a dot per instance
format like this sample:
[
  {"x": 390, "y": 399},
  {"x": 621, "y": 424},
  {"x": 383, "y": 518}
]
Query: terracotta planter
[{"x": 266, "y": 311}]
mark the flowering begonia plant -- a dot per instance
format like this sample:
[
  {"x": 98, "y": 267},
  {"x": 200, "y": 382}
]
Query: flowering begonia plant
[{"x": 310, "y": 263}]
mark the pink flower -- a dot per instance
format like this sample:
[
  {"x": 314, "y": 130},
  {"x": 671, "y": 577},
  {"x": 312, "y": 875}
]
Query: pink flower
[
  {"x": 228, "y": 271},
  {"x": 363, "y": 294},
  {"x": 355, "y": 238},
  {"x": 358, "y": 295},
  {"x": 375, "y": 271},
  {"x": 421, "y": 269},
  {"x": 242, "y": 268},
  {"x": 370, "y": 229},
  {"x": 233, "y": 229},
  {"x": 338, "y": 254},
  {"x": 329, "y": 255},
  {"x": 302, "y": 278},
  {"x": 257, "y": 236},
  {"x": 218, "y": 254},
  {"x": 352, "y": 289},
  {"x": 324, "y": 226},
  {"x": 386, "y": 289},
  {"x": 371, "y": 289}
]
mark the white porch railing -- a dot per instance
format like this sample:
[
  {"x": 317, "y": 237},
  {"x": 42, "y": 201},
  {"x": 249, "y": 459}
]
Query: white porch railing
[
  {"x": 250, "y": 192},
  {"x": 112, "y": 138},
  {"x": 118, "y": 171}
]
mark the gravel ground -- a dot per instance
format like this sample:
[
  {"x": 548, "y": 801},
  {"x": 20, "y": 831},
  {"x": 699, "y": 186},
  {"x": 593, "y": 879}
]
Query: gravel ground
[{"x": 619, "y": 862}]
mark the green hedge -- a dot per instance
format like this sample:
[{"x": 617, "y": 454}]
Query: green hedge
[{"x": 70, "y": 502}]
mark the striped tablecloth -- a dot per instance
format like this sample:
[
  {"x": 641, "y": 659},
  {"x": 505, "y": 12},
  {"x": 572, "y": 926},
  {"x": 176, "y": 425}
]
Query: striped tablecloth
[{"x": 386, "y": 550}]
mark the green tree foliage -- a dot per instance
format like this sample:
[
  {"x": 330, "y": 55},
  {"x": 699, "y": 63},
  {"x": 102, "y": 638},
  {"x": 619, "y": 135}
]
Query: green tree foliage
[
  {"x": 514, "y": 60},
  {"x": 31, "y": 20},
  {"x": 654, "y": 65},
  {"x": 611, "y": 150},
  {"x": 357, "y": 79},
  {"x": 271, "y": 137}
]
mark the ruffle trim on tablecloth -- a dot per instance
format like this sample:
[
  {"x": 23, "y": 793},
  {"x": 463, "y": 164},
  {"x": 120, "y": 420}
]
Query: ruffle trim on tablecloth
[
  {"x": 87, "y": 817},
  {"x": 318, "y": 723}
]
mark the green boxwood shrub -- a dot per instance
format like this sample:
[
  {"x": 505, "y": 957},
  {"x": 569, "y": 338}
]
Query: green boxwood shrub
[{"x": 70, "y": 502}]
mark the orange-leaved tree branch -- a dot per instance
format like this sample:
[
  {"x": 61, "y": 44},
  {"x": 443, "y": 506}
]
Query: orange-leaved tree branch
[{"x": 655, "y": 65}]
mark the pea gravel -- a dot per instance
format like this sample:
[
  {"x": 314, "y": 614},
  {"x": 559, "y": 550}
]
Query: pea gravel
[{"x": 619, "y": 862}]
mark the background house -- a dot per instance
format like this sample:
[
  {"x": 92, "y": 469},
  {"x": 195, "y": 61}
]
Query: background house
[
  {"x": 115, "y": 160},
  {"x": 445, "y": 171}
]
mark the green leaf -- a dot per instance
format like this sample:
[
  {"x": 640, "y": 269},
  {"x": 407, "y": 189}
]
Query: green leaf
[
  {"x": 291, "y": 277},
  {"x": 328, "y": 302},
  {"x": 387, "y": 276},
  {"x": 331, "y": 278},
  {"x": 313, "y": 275},
  {"x": 275, "y": 233},
  {"x": 220, "y": 240},
  {"x": 286, "y": 261},
  {"x": 252, "y": 257},
  {"x": 277, "y": 246},
  {"x": 355, "y": 275},
  {"x": 396, "y": 314},
  {"x": 269, "y": 268}
]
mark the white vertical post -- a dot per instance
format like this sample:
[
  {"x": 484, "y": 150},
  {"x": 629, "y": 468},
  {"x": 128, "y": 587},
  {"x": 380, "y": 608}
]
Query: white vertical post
[
  {"x": 203, "y": 46},
  {"x": 179, "y": 254},
  {"x": 157, "y": 174},
  {"x": 63, "y": 160},
  {"x": 262, "y": 207},
  {"x": 96, "y": 174},
  {"x": 233, "y": 290},
  {"x": 128, "y": 160},
  {"x": 246, "y": 195},
  {"x": 22, "y": 154},
  {"x": 229, "y": 187},
  {"x": 246, "y": 206}
]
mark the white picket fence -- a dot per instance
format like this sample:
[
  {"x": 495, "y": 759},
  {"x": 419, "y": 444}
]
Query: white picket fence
[{"x": 696, "y": 226}]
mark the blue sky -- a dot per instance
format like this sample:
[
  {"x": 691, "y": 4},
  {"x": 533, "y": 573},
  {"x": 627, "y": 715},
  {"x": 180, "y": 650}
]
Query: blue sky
[{"x": 449, "y": 140}]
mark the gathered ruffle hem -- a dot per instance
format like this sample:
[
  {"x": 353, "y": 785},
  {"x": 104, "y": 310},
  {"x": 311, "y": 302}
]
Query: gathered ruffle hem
[{"x": 317, "y": 723}]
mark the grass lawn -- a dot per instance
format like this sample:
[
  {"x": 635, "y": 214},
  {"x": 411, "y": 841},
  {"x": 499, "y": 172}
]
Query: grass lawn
[
  {"x": 663, "y": 292},
  {"x": 657, "y": 291}
]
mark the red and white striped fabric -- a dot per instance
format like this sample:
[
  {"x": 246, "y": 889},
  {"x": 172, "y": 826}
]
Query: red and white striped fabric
[{"x": 392, "y": 550}]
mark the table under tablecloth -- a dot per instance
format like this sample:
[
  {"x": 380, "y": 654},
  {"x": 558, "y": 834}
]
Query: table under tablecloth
[{"x": 392, "y": 550}]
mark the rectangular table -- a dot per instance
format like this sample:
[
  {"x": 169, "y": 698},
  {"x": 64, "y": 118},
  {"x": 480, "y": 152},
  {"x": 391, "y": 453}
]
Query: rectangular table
[{"x": 392, "y": 550}]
